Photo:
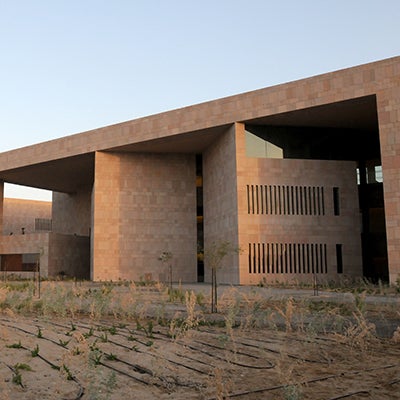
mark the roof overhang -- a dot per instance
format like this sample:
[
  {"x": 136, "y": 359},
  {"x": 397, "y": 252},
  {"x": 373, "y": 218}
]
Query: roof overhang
[{"x": 63, "y": 175}]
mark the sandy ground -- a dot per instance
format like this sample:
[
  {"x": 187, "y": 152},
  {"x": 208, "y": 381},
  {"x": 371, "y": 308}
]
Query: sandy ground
[
  {"x": 171, "y": 351},
  {"x": 60, "y": 359}
]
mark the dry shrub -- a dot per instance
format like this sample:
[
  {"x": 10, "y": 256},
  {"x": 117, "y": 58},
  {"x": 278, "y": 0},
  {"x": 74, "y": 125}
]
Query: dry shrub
[
  {"x": 249, "y": 309},
  {"x": 3, "y": 294},
  {"x": 285, "y": 368},
  {"x": 179, "y": 326},
  {"x": 193, "y": 317},
  {"x": 220, "y": 384},
  {"x": 396, "y": 335},
  {"x": 55, "y": 299},
  {"x": 287, "y": 313},
  {"x": 4, "y": 304},
  {"x": 360, "y": 333}
]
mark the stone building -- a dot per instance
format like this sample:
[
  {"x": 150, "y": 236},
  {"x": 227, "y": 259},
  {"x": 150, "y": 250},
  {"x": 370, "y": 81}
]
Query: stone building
[{"x": 304, "y": 177}]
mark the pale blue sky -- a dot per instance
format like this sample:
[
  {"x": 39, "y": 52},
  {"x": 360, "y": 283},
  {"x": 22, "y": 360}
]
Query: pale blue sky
[{"x": 74, "y": 65}]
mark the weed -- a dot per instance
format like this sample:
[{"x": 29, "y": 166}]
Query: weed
[
  {"x": 17, "y": 378},
  {"x": 104, "y": 337},
  {"x": 64, "y": 343},
  {"x": 223, "y": 339},
  {"x": 112, "y": 330},
  {"x": 35, "y": 351},
  {"x": 95, "y": 357},
  {"x": 15, "y": 345},
  {"x": 176, "y": 295},
  {"x": 149, "y": 330},
  {"x": 100, "y": 301},
  {"x": 22, "y": 366},
  {"x": 76, "y": 351},
  {"x": 17, "y": 286},
  {"x": 93, "y": 347},
  {"x": 67, "y": 372},
  {"x": 111, "y": 357},
  {"x": 88, "y": 334},
  {"x": 292, "y": 392},
  {"x": 200, "y": 299}
]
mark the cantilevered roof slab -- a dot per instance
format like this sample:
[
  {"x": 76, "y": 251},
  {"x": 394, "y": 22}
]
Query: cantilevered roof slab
[
  {"x": 359, "y": 114},
  {"x": 63, "y": 175},
  {"x": 326, "y": 100}
]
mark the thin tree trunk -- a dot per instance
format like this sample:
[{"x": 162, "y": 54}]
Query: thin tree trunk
[
  {"x": 214, "y": 290},
  {"x": 170, "y": 278}
]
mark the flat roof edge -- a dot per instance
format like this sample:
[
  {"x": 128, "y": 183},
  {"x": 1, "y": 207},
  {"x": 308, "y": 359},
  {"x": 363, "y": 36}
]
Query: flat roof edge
[{"x": 190, "y": 118}]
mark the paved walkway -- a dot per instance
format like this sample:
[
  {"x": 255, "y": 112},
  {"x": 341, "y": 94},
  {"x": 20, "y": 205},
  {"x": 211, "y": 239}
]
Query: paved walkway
[{"x": 275, "y": 292}]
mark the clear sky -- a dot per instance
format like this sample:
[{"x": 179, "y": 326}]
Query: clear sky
[{"x": 68, "y": 66}]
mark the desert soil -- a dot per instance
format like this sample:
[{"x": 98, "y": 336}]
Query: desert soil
[{"x": 51, "y": 358}]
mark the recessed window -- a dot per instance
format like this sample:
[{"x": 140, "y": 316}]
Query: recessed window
[
  {"x": 43, "y": 224},
  {"x": 378, "y": 173},
  {"x": 285, "y": 200},
  {"x": 284, "y": 258},
  {"x": 336, "y": 201},
  {"x": 339, "y": 259}
]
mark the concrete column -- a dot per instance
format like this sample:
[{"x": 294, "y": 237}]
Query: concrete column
[
  {"x": 106, "y": 218},
  {"x": 220, "y": 201}
]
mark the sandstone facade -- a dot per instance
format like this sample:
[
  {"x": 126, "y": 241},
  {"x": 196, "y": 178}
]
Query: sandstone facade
[{"x": 304, "y": 177}]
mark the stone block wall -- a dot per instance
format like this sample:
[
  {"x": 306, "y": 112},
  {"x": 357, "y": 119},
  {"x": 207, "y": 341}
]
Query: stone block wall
[
  {"x": 21, "y": 213},
  {"x": 220, "y": 202},
  {"x": 33, "y": 243},
  {"x": 287, "y": 207},
  {"x": 69, "y": 255},
  {"x": 388, "y": 103},
  {"x": 377, "y": 79},
  {"x": 71, "y": 213},
  {"x": 144, "y": 204}
]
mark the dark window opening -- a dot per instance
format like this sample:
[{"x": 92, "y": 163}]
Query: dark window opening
[
  {"x": 43, "y": 224},
  {"x": 285, "y": 200},
  {"x": 336, "y": 201},
  {"x": 283, "y": 258},
  {"x": 339, "y": 259}
]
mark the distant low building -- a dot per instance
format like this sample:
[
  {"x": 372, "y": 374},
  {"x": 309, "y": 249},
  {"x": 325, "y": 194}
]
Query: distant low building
[
  {"x": 304, "y": 177},
  {"x": 28, "y": 216}
]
